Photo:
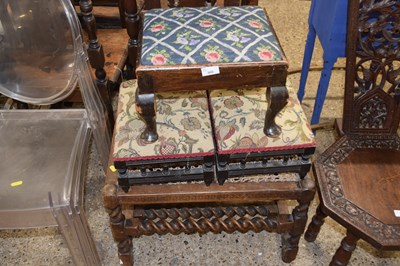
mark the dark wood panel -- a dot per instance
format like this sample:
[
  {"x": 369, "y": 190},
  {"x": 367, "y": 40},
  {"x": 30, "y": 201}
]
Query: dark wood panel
[
  {"x": 231, "y": 76},
  {"x": 229, "y": 192}
]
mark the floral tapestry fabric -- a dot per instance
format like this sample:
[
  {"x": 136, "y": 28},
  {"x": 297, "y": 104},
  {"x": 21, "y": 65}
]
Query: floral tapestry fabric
[
  {"x": 183, "y": 124},
  {"x": 208, "y": 35},
  {"x": 239, "y": 122}
]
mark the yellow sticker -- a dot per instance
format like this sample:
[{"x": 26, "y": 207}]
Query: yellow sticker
[
  {"x": 16, "y": 183},
  {"x": 112, "y": 168}
]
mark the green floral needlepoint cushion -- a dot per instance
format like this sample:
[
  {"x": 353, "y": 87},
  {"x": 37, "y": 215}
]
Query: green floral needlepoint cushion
[
  {"x": 208, "y": 35},
  {"x": 183, "y": 124},
  {"x": 239, "y": 122}
]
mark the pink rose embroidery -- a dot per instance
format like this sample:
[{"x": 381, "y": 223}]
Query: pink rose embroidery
[
  {"x": 265, "y": 55},
  {"x": 206, "y": 24},
  {"x": 255, "y": 24},
  {"x": 157, "y": 28},
  {"x": 212, "y": 56},
  {"x": 158, "y": 59}
]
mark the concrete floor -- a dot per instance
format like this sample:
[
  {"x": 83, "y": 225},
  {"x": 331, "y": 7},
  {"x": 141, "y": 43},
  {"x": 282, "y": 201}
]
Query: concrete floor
[{"x": 47, "y": 247}]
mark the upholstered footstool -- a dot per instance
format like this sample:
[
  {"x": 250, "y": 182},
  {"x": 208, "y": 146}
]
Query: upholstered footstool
[
  {"x": 185, "y": 149},
  {"x": 243, "y": 148},
  {"x": 209, "y": 48}
]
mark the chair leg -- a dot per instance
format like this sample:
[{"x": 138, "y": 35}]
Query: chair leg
[
  {"x": 121, "y": 9},
  {"x": 85, "y": 238},
  {"x": 343, "y": 253},
  {"x": 322, "y": 89},
  {"x": 125, "y": 251},
  {"x": 74, "y": 228},
  {"x": 132, "y": 17},
  {"x": 290, "y": 241},
  {"x": 145, "y": 106},
  {"x": 308, "y": 51},
  {"x": 72, "y": 224},
  {"x": 96, "y": 56},
  {"x": 315, "y": 225},
  {"x": 277, "y": 99},
  {"x": 117, "y": 221}
]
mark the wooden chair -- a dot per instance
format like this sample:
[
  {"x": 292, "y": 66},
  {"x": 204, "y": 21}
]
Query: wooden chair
[
  {"x": 358, "y": 175},
  {"x": 107, "y": 57},
  {"x": 97, "y": 58}
]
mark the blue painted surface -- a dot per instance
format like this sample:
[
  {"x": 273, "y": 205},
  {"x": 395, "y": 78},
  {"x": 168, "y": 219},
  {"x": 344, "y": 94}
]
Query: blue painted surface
[{"x": 328, "y": 21}]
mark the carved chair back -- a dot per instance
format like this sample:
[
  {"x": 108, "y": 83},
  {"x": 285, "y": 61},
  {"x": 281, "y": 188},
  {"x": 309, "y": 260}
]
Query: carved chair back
[{"x": 372, "y": 92}]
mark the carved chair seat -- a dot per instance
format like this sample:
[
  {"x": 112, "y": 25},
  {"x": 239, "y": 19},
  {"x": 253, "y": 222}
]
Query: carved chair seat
[
  {"x": 209, "y": 48},
  {"x": 358, "y": 175},
  {"x": 357, "y": 178},
  {"x": 241, "y": 144}
]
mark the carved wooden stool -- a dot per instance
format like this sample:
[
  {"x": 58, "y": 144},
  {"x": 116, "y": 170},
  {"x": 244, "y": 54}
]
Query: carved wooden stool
[
  {"x": 259, "y": 204},
  {"x": 358, "y": 175},
  {"x": 208, "y": 48},
  {"x": 242, "y": 147},
  {"x": 185, "y": 149}
]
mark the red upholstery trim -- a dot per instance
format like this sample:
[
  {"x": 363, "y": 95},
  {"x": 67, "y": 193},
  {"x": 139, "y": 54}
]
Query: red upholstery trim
[
  {"x": 168, "y": 156},
  {"x": 278, "y": 148}
]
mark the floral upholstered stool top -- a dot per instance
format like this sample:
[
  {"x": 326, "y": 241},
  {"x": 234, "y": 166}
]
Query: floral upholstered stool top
[
  {"x": 196, "y": 36},
  {"x": 183, "y": 152},
  {"x": 242, "y": 147},
  {"x": 191, "y": 49},
  {"x": 194, "y": 127}
]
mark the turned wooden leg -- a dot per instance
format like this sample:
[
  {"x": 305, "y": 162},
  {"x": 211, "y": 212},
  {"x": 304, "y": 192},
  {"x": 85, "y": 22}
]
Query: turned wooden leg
[
  {"x": 343, "y": 253},
  {"x": 117, "y": 220},
  {"x": 96, "y": 56},
  {"x": 315, "y": 225},
  {"x": 132, "y": 17},
  {"x": 145, "y": 106},
  {"x": 277, "y": 99},
  {"x": 290, "y": 241},
  {"x": 125, "y": 251}
]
